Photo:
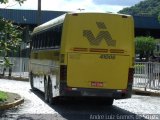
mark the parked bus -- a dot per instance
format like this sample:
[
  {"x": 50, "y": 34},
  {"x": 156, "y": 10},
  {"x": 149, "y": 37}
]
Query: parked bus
[{"x": 83, "y": 54}]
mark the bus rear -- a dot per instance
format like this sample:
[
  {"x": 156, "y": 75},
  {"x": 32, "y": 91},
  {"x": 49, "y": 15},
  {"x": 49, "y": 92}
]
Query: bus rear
[{"x": 97, "y": 55}]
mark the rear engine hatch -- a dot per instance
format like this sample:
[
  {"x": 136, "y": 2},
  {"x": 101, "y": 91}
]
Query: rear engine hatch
[{"x": 104, "y": 71}]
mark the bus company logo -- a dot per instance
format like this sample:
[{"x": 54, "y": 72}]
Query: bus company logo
[{"x": 103, "y": 34}]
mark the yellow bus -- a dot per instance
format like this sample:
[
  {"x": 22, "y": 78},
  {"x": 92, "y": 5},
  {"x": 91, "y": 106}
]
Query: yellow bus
[{"x": 83, "y": 54}]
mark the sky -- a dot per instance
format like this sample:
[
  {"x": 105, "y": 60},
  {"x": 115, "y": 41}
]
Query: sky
[{"x": 74, "y": 5}]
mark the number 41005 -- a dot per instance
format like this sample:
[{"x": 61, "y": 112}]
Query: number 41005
[{"x": 107, "y": 56}]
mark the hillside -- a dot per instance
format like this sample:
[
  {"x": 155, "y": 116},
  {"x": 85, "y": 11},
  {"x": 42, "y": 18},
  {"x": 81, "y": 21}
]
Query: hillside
[{"x": 146, "y": 7}]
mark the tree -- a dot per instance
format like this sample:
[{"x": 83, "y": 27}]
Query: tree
[
  {"x": 145, "y": 46},
  {"x": 10, "y": 35},
  {"x": 159, "y": 17},
  {"x": 146, "y": 7}
]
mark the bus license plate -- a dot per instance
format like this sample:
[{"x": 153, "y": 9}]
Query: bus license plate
[{"x": 97, "y": 84}]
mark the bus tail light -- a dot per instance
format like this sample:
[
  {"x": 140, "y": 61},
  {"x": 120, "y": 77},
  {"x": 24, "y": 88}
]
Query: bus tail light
[
  {"x": 63, "y": 72},
  {"x": 130, "y": 75}
]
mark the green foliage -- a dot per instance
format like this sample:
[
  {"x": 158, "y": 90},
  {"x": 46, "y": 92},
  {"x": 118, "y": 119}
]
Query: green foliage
[
  {"x": 159, "y": 17},
  {"x": 4, "y": 1},
  {"x": 10, "y": 36},
  {"x": 145, "y": 46},
  {"x": 3, "y": 96},
  {"x": 146, "y": 7},
  {"x": 7, "y": 63}
]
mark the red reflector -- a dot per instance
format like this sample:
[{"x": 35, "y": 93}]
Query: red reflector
[
  {"x": 97, "y": 84},
  {"x": 124, "y": 91},
  {"x": 68, "y": 89}
]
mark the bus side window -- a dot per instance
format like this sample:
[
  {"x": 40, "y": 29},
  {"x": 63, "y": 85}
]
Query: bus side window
[
  {"x": 42, "y": 38},
  {"x": 57, "y": 36},
  {"x": 40, "y": 41},
  {"x": 51, "y": 38},
  {"x": 48, "y": 39},
  {"x": 32, "y": 43},
  {"x": 43, "y": 43},
  {"x": 45, "y": 39},
  {"x": 34, "y": 40},
  {"x": 37, "y": 41}
]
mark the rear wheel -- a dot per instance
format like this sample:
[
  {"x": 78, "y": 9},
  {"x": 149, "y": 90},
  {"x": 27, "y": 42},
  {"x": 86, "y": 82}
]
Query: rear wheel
[
  {"x": 31, "y": 81},
  {"x": 50, "y": 92},
  {"x": 46, "y": 89},
  {"x": 110, "y": 101}
]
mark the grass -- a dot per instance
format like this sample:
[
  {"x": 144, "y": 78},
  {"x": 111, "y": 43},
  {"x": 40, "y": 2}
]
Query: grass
[{"x": 3, "y": 96}]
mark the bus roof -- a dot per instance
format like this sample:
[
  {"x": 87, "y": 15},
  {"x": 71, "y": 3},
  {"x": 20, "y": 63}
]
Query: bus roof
[
  {"x": 49, "y": 24},
  {"x": 60, "y": 19}
]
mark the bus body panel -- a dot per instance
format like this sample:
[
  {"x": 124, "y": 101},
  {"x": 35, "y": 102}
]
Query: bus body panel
[
  {"x": 90, "y": 36},
  {"x": 90, "y": 30},
  {"x": 45, "y": 63},
  {"x": 97, "y": 72}
]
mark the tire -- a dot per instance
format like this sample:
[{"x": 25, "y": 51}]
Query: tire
[
  {"x": 110, "y": 101},
  {"x": 46, "y": 90},
  {"x": 31, "y": 81},
  {"x": 50, "y": 92}
]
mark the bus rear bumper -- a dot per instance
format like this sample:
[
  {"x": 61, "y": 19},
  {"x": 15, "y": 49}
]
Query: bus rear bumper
[{"x": 88, "y": 92}]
